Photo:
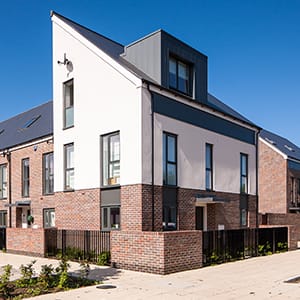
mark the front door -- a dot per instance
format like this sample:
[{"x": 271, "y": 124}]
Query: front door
[{"x": 199, "y": 217}]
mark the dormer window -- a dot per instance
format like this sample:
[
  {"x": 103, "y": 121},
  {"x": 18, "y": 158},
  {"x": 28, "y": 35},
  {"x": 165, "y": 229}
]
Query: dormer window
[{"x": 180, "y": 76}]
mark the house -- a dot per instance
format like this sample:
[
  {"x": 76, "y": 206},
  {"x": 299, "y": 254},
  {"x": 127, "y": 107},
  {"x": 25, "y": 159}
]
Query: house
[
  {"x": 279, "y": 182},
  {"x": 141, "y": 149}
]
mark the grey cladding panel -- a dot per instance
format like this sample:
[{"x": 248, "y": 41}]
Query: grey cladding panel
[
  {"x": 191, "y": 115},
  {"x": 145, "y": 54},
  {"x": 110, "y": 197}
]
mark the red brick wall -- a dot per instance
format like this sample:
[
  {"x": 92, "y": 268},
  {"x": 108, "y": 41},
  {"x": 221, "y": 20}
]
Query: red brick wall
[
  {"x": 26, "y": 241},
  {"x": 78, "y": 210},
  {"x": 157, "y": 252},
  {"x": 38, "y": 200},
  {"x": 272, "y": 176},
  {"x": 289, "y": 219}
]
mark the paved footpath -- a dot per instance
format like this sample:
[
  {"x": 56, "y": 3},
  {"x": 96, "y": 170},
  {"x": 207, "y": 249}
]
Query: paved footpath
[{"x": 256, "y": 278}]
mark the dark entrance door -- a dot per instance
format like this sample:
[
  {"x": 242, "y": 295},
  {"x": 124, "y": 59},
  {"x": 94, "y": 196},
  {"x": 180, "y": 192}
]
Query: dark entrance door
[{"x": 199, "y": 217}]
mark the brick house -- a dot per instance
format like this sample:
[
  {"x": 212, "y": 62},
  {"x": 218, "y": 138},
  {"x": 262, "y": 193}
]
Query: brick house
[
  {"x": 140, "y": 149},
  {"x": 279, "y": 182}
]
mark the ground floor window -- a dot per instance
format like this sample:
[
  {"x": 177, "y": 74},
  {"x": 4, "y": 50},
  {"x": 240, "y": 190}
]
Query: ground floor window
[
  {"x": 244, "y": 217},
  {"x": 3, "y": 218},
  {"x": 110, "y": 216},
  {"x": 49, "y": 217}
]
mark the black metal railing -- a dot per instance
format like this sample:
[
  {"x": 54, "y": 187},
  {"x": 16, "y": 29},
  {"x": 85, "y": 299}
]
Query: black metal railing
[
  {"x": 2, "y": 238},
  {"x": 226, "y": 245},
  {"x": 77, "y": 244}
]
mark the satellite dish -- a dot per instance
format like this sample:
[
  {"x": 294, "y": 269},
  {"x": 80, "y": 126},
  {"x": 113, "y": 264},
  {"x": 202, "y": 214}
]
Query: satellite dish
[{"x": 69, "y": 66}]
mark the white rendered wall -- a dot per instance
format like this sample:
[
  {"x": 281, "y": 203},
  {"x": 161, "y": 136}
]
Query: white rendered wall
[
  {"x": 107, "y": 98},
  {"x": 191, "y": 142}
]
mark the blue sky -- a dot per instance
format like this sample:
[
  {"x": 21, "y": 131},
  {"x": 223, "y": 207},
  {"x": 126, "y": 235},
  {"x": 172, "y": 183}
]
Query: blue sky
[{"x": 253, "y": 49}]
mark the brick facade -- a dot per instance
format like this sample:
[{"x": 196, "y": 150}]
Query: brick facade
[
  {"x": 157, "y": 252},
  {"x": 272, "y": 174}
]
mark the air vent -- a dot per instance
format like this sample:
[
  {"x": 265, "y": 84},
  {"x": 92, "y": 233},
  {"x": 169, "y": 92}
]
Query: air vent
[
  {"x": 289, "y": 148},
  {"x": 270, "y": 141}
]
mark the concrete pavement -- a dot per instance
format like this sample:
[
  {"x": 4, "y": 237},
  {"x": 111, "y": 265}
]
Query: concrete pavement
[{"x": 255, "y": 278}]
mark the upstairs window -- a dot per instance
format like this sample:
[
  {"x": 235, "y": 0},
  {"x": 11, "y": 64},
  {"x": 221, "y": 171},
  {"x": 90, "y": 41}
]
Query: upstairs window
[
  {"x": 25, "y": 177},
  {"x": 208, "y": 166},
  {"x": 68, "y": 104},
  {"x": 111, "y": 159},
  {"x": 3, "y": 181},
  {"x": 48, "y": 173},
  {"x": 244, "y": 173},
  {"x": 169, "y": 159},
  {"x": 69, "y": 167},
  {"x": 180, "y": 76}
]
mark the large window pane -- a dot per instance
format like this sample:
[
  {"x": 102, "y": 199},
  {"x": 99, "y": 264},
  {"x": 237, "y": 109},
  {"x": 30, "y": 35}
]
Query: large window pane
[
  {"x": 25, "y": 177},
  {"x": 3, "y": 181},
  {"x": 208, "y": 166},
  {"x": 69, "y": 167},
  {"x": 169, "y": 159},
  {"x": 244, "y": 173},
  {"x": 49, "y": 217},
  {"x": 48, "y": 173},
  {"x": 68, "y": 104},
  {"x": 172, "y": 73},
  {"x": 110, "y": 218},
  {"x": 111, "y": 159}
]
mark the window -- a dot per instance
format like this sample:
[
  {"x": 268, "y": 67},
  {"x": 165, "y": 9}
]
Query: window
[
  {"x": 3, "y": 181},
  {"x": 3, "y": 218},
  {"x": 69, "y": 167},
  {"x": 208, "y": 166},
  {"x": 48, "y": 173},
  {"x": 244, "y": 173},
  {"x": 179, "y": 76},
  {"x": 244, "y": 217},
  {"x": 49, "y": 217},
  {"x": 110, "y": 217},
  {"x": 25, "y": 177},
  {"x": 68, "y": 104},
  {"x": 31, "y": 121},
  {"x": 169, "y": 159},
  {"x": 111, "y": 159}
]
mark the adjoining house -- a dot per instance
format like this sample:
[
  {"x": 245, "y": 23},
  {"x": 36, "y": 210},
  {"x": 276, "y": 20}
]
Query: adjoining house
[
  {"x": 279, "y": 182},
  {"x": 140, "y": 148}
]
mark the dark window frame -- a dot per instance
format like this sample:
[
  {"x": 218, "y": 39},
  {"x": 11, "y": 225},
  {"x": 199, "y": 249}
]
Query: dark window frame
[
  {"x": 45, "y": 211},
  {"x": 106, "y": 217},
  {"x": 3, "y": 182},
  {"x": 244, "y": 176},
  {"x": 167, "y": 162},
  {"x": 49, "y": 179},
  {"x": 189, "y": 68},
  {"x": 25, "y": 180},
  {"x": 209, "y": 147},
  {"x": 66, "y": 169},
  {"x": 109, "y": 162},
  {"x": 68, "y": 84}
]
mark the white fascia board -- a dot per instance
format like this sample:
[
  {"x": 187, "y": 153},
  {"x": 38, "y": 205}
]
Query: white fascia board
[
  {"x": 130, "y": 76},
  {"x": 28, "y": 144},
  {"x": 273, "y": 148},
  {"x": 198, "y": 105}
]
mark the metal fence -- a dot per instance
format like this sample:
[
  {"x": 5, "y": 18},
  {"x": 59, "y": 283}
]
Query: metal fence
[
  {"x": 226, "y": 245},
  {"x": 2, "y": 238},
  {"x": 77, "y": 244}
]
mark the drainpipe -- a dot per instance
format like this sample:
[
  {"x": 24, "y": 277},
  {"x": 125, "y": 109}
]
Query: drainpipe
[
  {"x": 257, "y": 165},
  {"x": 8, "y": 157},
  {"x": 152, "y": 156}
]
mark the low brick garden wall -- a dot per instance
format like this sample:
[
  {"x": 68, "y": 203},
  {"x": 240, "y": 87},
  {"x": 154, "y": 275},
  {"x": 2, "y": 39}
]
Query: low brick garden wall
[
  {"x": 25, "y": 241},
  {"x": 157, "y": 252}
]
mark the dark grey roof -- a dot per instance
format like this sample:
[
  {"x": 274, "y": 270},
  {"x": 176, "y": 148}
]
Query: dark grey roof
[
  {"x": 115, "y": 51},
  {"x": 282, "y": 144},
  {"x": 217, "y": 104},
  {"x": 14, "y": 132}
]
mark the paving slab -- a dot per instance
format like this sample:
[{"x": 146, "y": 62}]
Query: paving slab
[{"x": 255, "y": 278}]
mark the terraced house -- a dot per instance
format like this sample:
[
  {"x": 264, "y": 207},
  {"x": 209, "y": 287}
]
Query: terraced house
[{"x": 140, "y": 148}]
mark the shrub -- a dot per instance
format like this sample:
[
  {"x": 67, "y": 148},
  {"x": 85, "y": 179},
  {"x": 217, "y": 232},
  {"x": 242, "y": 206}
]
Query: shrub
[
  {"x": 4, "y": 280},
  {"x": 104, "y": 258}
]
